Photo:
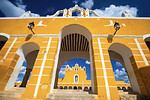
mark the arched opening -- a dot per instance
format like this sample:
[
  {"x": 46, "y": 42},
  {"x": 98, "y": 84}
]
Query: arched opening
[
  {"x": 65, "y": 87},
  {"x": 79, "y": 87},
  {"x": 74, "y": 42},
  {"x": 75, "y": 88},
  {"x": 70, "y": 76},
  {"x": 28, "y": 52},
  {"x": 147, "y": 40},
  {"x": 124, "y": 88},
  {"x": 129, "y": 88},
  {"x": 86, "y": 88},
  {"x": 90, "y": 88},
  {"x": 60, "y": 87},
  {"x": 123, "y": 55},
  {"x": 118, "y": 87},
  {"x": 70, "y": 87},
  {"x": 3, "y": 39}
]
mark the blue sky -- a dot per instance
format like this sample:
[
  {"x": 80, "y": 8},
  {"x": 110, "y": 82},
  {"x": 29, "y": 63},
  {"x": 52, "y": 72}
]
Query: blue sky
[
  {"x": 109, "y": 8},
  {"x": 80, "y": 62},
  {"x": 118, "y": 69}
]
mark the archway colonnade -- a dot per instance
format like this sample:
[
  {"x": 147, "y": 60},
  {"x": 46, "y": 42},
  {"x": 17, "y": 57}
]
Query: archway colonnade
[
  {"x": 85, "y": 88},
  {"x": 48, "y": 54}
]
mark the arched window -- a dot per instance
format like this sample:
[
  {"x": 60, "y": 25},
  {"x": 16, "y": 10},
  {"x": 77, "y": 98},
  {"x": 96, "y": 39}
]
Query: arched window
[
  {"x": 65, "y": 87},
  {"x": 75, "y": 88},
  {"x": 80, "y": 88},
  {"x": 85, "y": 88},
  {"x": 70, "y": 87},
  {"x": 76, "y": 78},
  {"x": 77, "y": 69}
]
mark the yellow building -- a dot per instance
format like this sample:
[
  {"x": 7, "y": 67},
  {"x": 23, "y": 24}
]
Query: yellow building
[
  {"x": 75, "y": 78},
  {"x": 59, "y": 39},
  {"x": 123, "y": 85}
]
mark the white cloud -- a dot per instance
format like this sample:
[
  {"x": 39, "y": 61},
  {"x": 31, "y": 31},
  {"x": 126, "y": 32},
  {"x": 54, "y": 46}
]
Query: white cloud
[
  {"x": 75, "y": 2},
  {"x": 116, "y": 11},
  {"x": 61, "y": 73},
  {"x": 20, "y": 4},
  {"x": 111, "y": 11},
  {"x": 22, "y": 72},
  {"x": 10, "y": 10},
  {"x": 23, "y": 68},
  {"x": 118, "y": 64},
  {"x": 121, "y": 75},
  {"x": 88, "y": 4},
  {"x": 87, "y": 62},
  {"x": 18, "y": 81}
]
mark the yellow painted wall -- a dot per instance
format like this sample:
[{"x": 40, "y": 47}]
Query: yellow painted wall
[{"x": 17, "y": 28}]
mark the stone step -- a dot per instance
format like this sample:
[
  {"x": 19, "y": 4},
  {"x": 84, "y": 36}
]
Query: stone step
[
  {"x": 123, "y": 93},
  {"x": 69, "y": 92},
  {"x": 71, "y": 97},
  {"x": 12, "y": 94},
  {"x": 128, "y": 97},
  {"x": 59, "y": 94},
  {"x": 72, "y": 94}
]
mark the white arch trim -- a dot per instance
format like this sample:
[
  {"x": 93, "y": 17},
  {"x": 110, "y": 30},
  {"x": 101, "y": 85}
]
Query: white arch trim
[
  {"x": 22, "y": 52},
  {"x": 74, "y": 28},
  {"x": 124, "y": 87},
  {"x": 126, "y": 53},
  {"x": 6, "y": 35},
  {"x": 86, "y": 86},
  {"x": 146, "y": 36}
]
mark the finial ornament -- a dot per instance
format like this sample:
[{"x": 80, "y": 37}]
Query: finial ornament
[{"x": 68, "y": 13}]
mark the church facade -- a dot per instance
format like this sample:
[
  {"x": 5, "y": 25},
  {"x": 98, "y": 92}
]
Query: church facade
[
  {"x": 47, "y": 42},
  {"x": 75, "y": 78}
]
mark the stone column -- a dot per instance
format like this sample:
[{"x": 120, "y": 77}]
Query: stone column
[
  {"x": 56, "y": 79},
  {"x": 26, "y": 76}
]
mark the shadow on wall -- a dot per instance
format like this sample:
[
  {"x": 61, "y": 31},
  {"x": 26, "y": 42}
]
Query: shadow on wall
[
  {"x": 145, "y": 73},
  {"x": 28, "y": 37}
]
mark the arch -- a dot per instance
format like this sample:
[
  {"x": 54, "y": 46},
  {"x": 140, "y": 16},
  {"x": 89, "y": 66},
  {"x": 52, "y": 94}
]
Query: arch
[
  {"x": 90, "y": 88},
  {"x": 6, "y": 35},
  {"x": 70, "y": 35},
  {"x": 124, "y": 88},
  {"x": 118, "y": 87},
  {"x": 147, "y": 40},
  {"x": 129, "y": 88},
  {"x": 86, "y": 88},
  {"x": 146, "y": 36},
  {"x": 76, "y": 78},
  {"x": 122, "y": 54},
  {"x": 70, "y": 87},
  {"x": 75, "y": 87},
  {"x": 79, "y": 87},
  {"x": 28, "y": 52},
  {"x": 61, "y": 87},
  {"x": 3, "y": 39},
  {"x": 65, "y": 87}
]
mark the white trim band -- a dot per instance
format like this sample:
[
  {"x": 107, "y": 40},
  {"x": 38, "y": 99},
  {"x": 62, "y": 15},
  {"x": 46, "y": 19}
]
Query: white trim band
[
  {"x": 9, "y": 48},
  {"x": 140, "y": 49},
  {"x": 42, "y": 67},
  {"x": 104, "y": 70}
]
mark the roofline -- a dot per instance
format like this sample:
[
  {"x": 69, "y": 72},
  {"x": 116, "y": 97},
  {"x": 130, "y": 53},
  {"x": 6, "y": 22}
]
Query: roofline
[{"x": 49, "y": 17}]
